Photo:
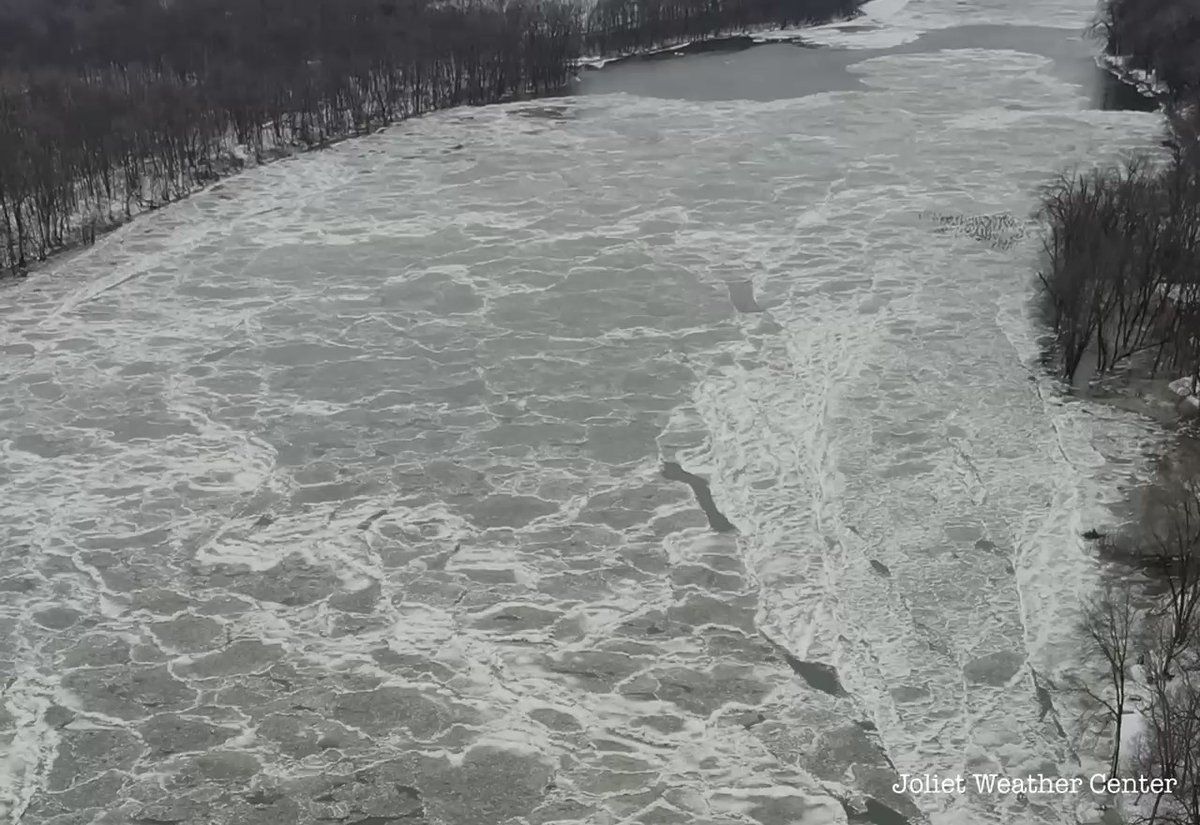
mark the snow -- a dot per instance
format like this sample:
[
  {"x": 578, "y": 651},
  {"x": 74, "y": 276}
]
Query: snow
[
  {"x": 1182, "y": 386},
  {"x": 1144, "y": 81},
  {"x": 760, "y": 34}
]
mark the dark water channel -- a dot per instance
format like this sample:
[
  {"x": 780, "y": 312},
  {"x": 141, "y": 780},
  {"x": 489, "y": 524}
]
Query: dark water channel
[{"x": 740, "y": 69}]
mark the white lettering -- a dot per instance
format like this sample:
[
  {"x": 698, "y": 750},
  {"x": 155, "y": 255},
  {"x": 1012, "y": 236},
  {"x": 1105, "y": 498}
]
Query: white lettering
[
  {"x": 920, "y": 784},
  {"x": 984, "y": 782}
]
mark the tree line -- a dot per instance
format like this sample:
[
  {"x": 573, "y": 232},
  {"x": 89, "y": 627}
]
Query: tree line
[
  {"x": 1121, "y": 279},
  {"x": 106, "y": 109},
  {"x": 1123, "y": 244},
  {"x": 1122, "y": 264},
  {"x": 629, "y": 26},
  {"x": 1122, "y": 267},
  {"x": 1156, "y": 36},
  {"x": 109, "y": 107},
  {"x": 1147, "y": 641}
]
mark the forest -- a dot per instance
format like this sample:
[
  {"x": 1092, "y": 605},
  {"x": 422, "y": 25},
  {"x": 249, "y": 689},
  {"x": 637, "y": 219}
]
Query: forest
[
  {"x": 112, "y": 107},
  {"x": 1157, "y": 36},
  {"x": 1123, "y": 244},
  {"x": 1121, "y": 278}
]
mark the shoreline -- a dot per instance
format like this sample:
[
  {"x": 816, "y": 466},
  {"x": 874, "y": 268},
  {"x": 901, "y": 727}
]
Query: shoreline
[
  {"x": 1136, "y": 556},
  {"x": 1146, "y": 84},
  {"x": 751, "y": 37},
  {"x": 239, "y": 158}
]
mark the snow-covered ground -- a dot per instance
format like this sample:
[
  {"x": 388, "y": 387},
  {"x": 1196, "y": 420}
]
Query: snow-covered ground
[
  {"x": 1145, "y": 82},
  {"x": 872, "y": 13}
]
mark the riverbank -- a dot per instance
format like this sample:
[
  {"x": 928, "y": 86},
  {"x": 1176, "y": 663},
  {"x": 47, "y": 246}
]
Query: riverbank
[
  {"x": 236, "y": 159},
  {"x": 1120, "y": 276},
  {"x": 744, "y": 38},
  {"x": 95, "y": 139}
]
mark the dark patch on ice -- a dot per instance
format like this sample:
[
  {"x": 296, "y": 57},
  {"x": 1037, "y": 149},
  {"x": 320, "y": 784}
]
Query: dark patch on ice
[
  {"x": 716, "y": 520},
  {"x": 57, "y": 618},
  {"x": 741, "y": 293},
  {"x": 880, "y": 568},
  {"x": 1046, "y": 701},
  {"x": 818, "y": 675},
  {"x": 371, "y": 519},
  {"x": 57, "y": 716},
  {"x": 995, "y": 669},
  {"x": 264, "y": 520},
  {"x": 749, "y": 719},
  {"x": 867, "y": 726},
  {"x": 555, "y": 720},
  {"x": 876, "y": 813},
  {"x": 1093, "y": 535}
]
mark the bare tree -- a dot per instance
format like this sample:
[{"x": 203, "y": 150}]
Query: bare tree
[
  {"x": 1176, "y": 554},
  {"x": 1171, "y": 745},
  {"x": 1109, "y": 625}
]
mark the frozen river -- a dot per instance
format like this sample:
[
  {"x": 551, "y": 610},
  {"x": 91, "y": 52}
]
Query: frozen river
[{"x": 675, "y": 452}]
